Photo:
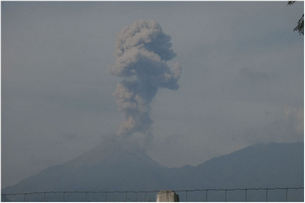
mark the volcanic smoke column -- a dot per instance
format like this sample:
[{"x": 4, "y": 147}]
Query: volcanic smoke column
[{"x": 142, "y": 55}]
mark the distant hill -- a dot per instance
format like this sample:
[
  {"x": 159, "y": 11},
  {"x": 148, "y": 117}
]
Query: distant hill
[
  {"x": 114, "y": 166},
  {"x": 260, "y": 165}
]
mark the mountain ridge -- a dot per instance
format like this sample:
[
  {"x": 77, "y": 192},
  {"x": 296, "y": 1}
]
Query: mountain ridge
[{"x": 119, "y": 167}]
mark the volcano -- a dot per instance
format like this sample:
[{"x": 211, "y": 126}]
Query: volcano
[{"x": 114, "y": 166}]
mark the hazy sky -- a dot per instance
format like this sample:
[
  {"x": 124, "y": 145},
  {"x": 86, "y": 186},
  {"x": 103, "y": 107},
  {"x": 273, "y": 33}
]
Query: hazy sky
[{"x": 241, "y": 82}]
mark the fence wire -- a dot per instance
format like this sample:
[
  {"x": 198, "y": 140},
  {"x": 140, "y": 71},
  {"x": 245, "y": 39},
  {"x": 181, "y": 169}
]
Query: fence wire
[{"x": 194, "y": 195}]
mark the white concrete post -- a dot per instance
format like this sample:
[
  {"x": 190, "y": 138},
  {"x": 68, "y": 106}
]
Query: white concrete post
[{"x": 167, "y": 196}]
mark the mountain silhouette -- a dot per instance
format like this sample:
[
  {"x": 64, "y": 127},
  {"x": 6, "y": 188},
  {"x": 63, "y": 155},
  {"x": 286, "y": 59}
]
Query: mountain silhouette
[{"x": 117, "y": 166}]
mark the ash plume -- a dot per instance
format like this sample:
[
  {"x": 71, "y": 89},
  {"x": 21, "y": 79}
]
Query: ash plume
[{"x": 142, "y": 54}]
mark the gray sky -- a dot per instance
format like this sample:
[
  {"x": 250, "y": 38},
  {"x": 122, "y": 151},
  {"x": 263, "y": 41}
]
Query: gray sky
[{"x": 241, "y": 83}]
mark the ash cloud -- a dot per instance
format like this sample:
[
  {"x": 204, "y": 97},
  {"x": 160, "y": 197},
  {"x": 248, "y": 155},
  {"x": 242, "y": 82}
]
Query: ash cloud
[{"x": 142, "y": 54}]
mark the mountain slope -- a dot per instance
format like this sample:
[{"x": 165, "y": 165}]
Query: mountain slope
[
  {"x": 261, "y": 165},
  {"x": 110, "y": 166},
  {"x": 118, "y": 167}
]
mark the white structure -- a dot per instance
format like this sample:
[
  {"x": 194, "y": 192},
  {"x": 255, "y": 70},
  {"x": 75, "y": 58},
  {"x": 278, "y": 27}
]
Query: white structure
[{"x": 167, "y": 196}]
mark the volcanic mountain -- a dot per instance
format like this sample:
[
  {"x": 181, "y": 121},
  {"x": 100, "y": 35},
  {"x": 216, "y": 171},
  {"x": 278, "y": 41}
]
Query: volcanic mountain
[{"x": 116, "y": 166}]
